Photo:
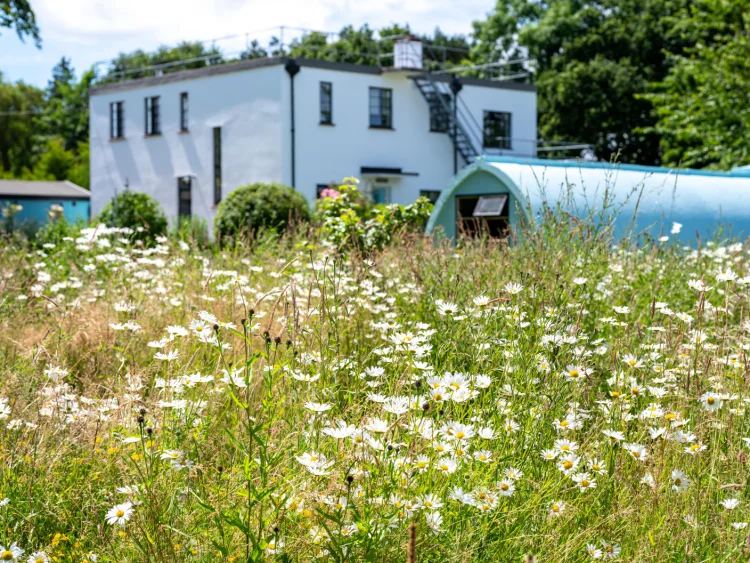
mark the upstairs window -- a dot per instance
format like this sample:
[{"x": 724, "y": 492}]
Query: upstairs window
[
  {"x": 381, "y": 108},
  {"x": 217, "y": 165},
  {"x": 153, "y": 125},
  {"x": 184, "y": 111},
  {"x": 326, "y": 103},
  {"x": 438, "y": 116},
  {"x": 116, "y": 120},
  {"x": 497, "y": 130}
]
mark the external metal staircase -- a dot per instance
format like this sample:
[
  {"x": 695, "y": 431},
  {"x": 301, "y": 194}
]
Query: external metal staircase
[{"x": 463, "y": 129}]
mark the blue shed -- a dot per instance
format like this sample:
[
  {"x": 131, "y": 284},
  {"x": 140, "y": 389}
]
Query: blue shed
[
  {"x": 37, "y": 198},
  {"x": 496, "y": 193}
]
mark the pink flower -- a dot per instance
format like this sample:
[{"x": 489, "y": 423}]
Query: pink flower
[{"x": 330, "y": 192}]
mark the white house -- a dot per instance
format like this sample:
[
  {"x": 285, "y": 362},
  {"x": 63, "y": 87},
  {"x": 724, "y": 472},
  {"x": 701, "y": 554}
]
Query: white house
[{"x": 191, "y": 137}]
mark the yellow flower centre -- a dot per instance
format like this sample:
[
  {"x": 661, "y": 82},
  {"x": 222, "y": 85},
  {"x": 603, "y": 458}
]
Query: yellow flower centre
[
  {"x": 460, "y": 452},
  {"x": 564, "y": 423},
  {"x": 39, "y": 560},
  {"x": 482, "y": 458},
  {"x": 437, "y": 397},
  {"x": 710, "y": 400},
  {"x": 565, "y": 448},
  {"x": 596, "y": 467},
  {"x": 6, "y": 556},
  {"x": 505, "y": 486},
  {"x": 555, "y": 508},
  {"x": 670, "y": 416},
  {"x": 678, "y": 482},
  {"x": 614, "y": 394},
  {"x": 574, "y": 373},
  {"x": 632, "y": 362},
  {"x": 585, "y": 483},
  {"x": 636, "y": 455},
  {"x": 444, "y": 467},
  {"x": 460, "y": 435},
  {"x": 120, "y": 513},
  {"x": 567, "y": 464},
  {"x": 427, "y": 503},
  {"x": 635, "y": 391},
  {"x": 272, "y": 545},
  {"x": 421, "y": 464}
]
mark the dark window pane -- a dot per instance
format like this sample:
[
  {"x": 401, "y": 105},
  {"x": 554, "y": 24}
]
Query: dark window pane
[
  {"x": 183, "y": 111},
  {"x": 184, "y": 196},
  {"x": 381, "y": 107},
  {"x": 432, "y": 195},
  {"x": 326, "y": 103},
  {"x": 217, "y": 165},
  {"x": 497, "y": 131}
]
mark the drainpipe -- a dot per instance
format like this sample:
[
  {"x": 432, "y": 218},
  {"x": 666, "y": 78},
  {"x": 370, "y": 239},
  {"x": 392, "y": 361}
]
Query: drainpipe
[
  {"x": 455, "y": 88},
  {"x": 292, "y": 68}
]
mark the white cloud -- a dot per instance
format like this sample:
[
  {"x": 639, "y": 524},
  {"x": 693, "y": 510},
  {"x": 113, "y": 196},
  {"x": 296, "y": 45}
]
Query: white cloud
[
  {"x": 97, "y": 30},
  {"x": 168, "y": 21}
]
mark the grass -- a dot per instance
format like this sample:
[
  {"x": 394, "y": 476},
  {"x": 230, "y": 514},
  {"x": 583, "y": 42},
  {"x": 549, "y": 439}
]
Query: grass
[{"x": 289, "y": 404}]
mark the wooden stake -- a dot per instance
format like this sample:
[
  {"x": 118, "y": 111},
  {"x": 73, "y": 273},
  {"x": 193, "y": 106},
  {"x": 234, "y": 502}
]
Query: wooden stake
[{"x": 411, "y": 554}]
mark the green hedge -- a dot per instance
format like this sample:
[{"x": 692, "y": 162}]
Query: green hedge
[{"x": 255, "y": 207}]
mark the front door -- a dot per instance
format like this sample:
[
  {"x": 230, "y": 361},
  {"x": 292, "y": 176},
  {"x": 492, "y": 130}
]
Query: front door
[{"x": 184, "y": 196}]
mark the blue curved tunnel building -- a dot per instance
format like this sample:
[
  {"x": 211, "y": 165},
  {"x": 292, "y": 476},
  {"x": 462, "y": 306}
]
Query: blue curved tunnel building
[{"x": 507, "y": 191}]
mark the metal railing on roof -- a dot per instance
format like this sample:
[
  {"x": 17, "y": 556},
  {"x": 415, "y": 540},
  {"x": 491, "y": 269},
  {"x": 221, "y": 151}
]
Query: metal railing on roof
[{"x": 282, "y": 40}]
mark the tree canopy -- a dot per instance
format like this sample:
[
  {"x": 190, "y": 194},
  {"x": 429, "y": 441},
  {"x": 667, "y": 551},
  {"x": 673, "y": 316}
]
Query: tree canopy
[
  {"x": 18, "y": 15},
  {"x": 701, "y": 106}
]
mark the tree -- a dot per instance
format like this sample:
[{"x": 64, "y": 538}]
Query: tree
[
  {"x": 66, "y": 114},
  {"x": 20, "y": 109},
  {"x": 592, "y": 61},
  {"x": 127, "y": 66},
  {"x": 19, "y": 15},
  {"x": 702, "y": 104}
]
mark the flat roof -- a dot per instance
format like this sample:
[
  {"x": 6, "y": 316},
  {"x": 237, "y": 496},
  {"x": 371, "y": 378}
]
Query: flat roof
[
  {"x": 24, "y": 189},
  {"x": 251, "y": 64}
]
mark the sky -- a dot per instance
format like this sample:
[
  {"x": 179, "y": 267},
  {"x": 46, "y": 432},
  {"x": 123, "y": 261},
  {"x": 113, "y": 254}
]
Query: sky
[{"x": 89, "y": 31}]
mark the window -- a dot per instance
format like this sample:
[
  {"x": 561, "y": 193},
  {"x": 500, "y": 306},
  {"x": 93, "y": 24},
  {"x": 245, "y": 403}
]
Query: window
[
  {"x": 320, "y": 188},
  {"x": 381, "y": 194},
  {"x": 432, "y": 195},
  {"x": 439, "y": 119},
  {"x": 326, "y": 103},
  {"x": 496, "y": 130},
  {"x": 479, "y": 216},
  {"x": 490, "y": 206},
  {"x": 184, "y": 196},
  {"x": 381, "y": 108},
  {"x": 217, "y": 165},
  {"x": 116, "y": 121},
  {"x": 153, "y": 126},
  {"x": 183, "y": 111}
]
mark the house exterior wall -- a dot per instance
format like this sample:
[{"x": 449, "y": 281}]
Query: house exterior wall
[
  {"x": 247, "y": 107},
  {"x": 253, "y": 108}
]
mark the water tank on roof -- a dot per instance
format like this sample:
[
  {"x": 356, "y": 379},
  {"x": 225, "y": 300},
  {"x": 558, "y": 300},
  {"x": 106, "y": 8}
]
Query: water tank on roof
[{"x": 407, "y": 53}]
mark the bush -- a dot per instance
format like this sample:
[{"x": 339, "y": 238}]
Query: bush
[
  {"x": 348, "y": 220},
  {"x": 136, "y": 211},
  {"x": 256, "y": 207}
]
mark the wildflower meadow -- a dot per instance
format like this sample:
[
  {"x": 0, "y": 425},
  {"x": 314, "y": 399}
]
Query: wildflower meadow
[{"x": 560, "y": 396}]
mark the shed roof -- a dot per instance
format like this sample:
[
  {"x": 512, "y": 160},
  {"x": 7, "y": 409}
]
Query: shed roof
[
  {"x": 647, "y": 197},
  {"x": 24, "y": 189}
]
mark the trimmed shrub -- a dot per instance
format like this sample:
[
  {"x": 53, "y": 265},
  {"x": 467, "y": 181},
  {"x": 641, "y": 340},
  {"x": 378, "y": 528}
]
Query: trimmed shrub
[
  {"x": 136, "y": 211},
  {"x": 255, "y": 207}
]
